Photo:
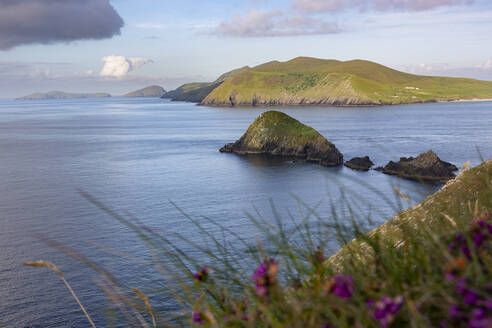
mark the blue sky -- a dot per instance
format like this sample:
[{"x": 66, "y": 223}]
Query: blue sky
[{"x": 172, "y": 42}]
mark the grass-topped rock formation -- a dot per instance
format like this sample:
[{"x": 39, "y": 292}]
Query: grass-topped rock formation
[
  {"x": 278, "y": 134},
  {"x": 312, "y": 81},
  {"x": 426, "y": 167},
  {"x": 153, "y": 91}
]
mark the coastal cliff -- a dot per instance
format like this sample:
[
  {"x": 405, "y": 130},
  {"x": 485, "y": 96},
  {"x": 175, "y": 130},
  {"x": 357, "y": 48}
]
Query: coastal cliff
[{"x": 312, "y": 81}]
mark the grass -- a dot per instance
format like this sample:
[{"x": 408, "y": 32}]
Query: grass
[
  {"x": 430, "y": 266},
  {"x": 306, "y": 80}
]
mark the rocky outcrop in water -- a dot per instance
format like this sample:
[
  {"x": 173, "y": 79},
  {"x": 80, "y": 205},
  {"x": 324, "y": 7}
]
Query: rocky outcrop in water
[
  {"x": 425, "y": 167},
  {"x": 275, "y": 133},
  {"x": 359, "y": 163}
]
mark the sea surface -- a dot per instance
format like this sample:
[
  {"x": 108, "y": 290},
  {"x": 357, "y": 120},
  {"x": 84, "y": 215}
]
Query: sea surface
[{"x": 150, "y": 156}]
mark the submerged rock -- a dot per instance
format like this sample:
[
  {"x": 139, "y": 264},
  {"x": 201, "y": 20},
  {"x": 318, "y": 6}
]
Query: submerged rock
[
  {"x": 276, "y": 133},
  {"x": 359, "y": 163},
  {"x": 425, "y": 167}
]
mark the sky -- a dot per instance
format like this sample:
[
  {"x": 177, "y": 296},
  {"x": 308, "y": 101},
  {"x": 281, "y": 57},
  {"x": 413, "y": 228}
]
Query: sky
[{"x": 117, "y": 46}]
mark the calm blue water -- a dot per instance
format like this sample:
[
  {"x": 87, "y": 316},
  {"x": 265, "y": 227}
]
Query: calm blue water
[{"x": 137, "y": 155}]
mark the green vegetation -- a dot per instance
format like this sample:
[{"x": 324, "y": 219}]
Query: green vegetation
[
  {"x": 151, "y": 91},
  {"x": 197, "y": 91},
  {"x": 431, "y": 266},
  {"x": 304, "y": 81},
  {"x": 63, "y": 95},
  {"x": 192, "y": 92},
  {"x": 276, "y": 133},
  {"x": 274, "y": 126}
]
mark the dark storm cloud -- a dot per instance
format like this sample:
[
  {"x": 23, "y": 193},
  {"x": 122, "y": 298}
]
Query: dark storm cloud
[{"x": 49, "y": 21}]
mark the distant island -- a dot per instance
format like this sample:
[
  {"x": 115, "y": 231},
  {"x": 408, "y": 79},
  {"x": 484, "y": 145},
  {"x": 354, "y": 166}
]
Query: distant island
[
  {"x": 151, "y": 91},
  {"x": 63, "y": 95},
  {"x": 313, "y": 81}
]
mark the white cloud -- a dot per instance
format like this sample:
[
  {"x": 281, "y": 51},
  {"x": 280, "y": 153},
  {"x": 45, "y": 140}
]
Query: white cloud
[{"x": 120, "y": 66}]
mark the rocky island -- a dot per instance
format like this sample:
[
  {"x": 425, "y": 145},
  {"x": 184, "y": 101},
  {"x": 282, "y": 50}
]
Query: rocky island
[
  {"x": 153, "y": 91},
  {"x": 275, "y": 133},
  {"x": 425, "y": 167},
  {"x": 63, "y": 95},
  {"x": 359, "y": 163}
]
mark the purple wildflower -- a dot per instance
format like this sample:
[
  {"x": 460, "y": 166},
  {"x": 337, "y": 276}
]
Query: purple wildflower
[
  {"x": 384, "y": 310},
  {"x": 265, "y": 277},
  {"x": 342, "y": 286},
  {"x": 479, "y": 320},
  {"x": 454, "y": 312},
  {"x": 202, "y": 274},
  {"x": 197, "y": 318},
  {"x": 479, "y": 238}
]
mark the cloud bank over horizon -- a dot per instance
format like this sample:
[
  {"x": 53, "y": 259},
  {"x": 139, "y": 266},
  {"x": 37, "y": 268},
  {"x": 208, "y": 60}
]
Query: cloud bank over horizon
[
  {"x": 24, "y": 22},
  {"x": 120, "y": 66}
]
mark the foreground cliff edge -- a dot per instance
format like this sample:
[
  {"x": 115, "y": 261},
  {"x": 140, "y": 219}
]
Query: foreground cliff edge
[
  {"x": 453, "y": 205},
  {"x": 277, "y": 134}
]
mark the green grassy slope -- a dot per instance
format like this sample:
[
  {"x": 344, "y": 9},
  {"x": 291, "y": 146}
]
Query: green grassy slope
[
  {"x": 304, "y": 81},
  {"x": 193, "y": 92},
  {"x": 277, "y": 127},
  {"x": 454, "y": 204},
  {"x": 197, "y": 91}
]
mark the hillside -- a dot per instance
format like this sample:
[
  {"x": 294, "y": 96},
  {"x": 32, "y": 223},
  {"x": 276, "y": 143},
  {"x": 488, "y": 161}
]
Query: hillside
[
  {"x": 151, "y": 91},
  {"x": 311, "y": 81},
  {"x": 454, "y": 204},
  {"x": 63, "y": 95},
  {"x": 197, "y": 91}
]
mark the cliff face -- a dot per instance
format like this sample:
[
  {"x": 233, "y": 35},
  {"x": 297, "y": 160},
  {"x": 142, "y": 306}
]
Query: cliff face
[
  {"x": 275, "y": 133},
  {"x": 311, "y": 81},
  {"x": 151, "y": 91}
]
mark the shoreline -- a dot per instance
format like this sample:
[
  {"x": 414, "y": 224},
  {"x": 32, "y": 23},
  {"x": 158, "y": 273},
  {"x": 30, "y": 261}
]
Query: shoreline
[{"x": 466, "y": 100}]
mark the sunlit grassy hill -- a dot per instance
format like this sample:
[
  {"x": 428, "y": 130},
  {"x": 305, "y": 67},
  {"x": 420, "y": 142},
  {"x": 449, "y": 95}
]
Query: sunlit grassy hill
[
  {"x": 197, "y": 91},
  {"x": 305, "y": 81}
]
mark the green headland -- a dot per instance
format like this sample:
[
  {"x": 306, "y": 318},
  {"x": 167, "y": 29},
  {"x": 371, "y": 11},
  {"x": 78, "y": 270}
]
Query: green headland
[{"x": 312, "y": 81}]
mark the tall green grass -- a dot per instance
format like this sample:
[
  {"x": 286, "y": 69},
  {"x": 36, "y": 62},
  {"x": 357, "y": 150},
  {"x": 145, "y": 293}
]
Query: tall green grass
[{"x": 431, "y": 266}]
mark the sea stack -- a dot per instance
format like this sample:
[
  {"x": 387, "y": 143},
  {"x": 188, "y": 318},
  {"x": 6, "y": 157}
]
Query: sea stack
[
  {"x": 425, "y": 167},
  {"x": 359, "y": 163},
  {"x": 278, "y": 134}
]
